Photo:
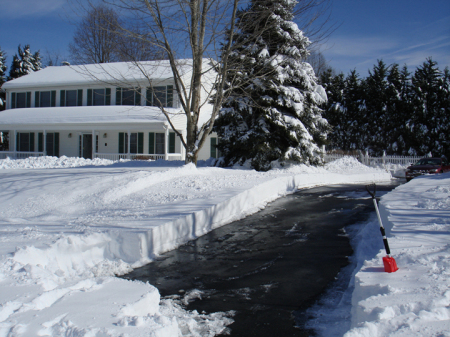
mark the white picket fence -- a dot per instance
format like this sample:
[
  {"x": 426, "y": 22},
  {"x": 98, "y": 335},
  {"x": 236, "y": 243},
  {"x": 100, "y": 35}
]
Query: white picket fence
[{"x": 375, "y": 161}]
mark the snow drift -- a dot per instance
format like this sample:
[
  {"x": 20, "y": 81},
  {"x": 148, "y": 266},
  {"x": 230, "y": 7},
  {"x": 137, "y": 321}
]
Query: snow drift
[{"x": 66, "y": 232}]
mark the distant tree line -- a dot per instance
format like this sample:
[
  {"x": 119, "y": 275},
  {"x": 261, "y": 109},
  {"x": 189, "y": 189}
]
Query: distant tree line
[{"x": 391, "y": 110}]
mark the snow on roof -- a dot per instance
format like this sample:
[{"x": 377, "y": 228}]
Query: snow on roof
[
  {"x": 114, "y": 114},
  {"x": 127, "y": 72}
]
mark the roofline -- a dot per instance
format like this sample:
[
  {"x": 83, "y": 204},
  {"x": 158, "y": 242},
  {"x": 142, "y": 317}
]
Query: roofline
[{"x": 7, "y": 86}]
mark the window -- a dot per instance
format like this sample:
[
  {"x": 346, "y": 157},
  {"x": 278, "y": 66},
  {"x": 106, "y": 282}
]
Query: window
[
  {"x": 214, "y": 150},
  {"x": 51, "y": 143},
  {"x": 71, "y": 97},
  {"x": 43, "y": 99},
  {"x": 128, "y": 96},
  {"x": 156, "y": 143},
  {"x": 99, "y": 96},
  {"x": 172, "y": 142},
  {"x": 160, "y": 96},
  {"x": 20, "y": 100},
  {"x": 25, "y": 142},
  {"x": 136, "y": 142}
]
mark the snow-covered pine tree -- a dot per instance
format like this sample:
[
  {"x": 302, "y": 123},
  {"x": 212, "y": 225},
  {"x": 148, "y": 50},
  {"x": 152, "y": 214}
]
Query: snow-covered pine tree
[
  {"x": 429, "y": 124},
  {"x": 272, "y": 113},
  {"x": 36, "y": 61},
  {"x": 376, "y": 108},
  {"x": 399, "y": 108},
  {"x": 2, "y": 67},
  {"x": 355, "y": 118},
  {"x": 2, "y": 78},
  {"x": 24, "y": 63},
  {"x": 334, "y": 107}
]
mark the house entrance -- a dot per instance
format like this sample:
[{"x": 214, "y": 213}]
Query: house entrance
[{"x": 86, "y": 146}]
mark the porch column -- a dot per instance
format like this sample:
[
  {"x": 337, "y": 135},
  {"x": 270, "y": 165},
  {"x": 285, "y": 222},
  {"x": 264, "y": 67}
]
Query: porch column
[
  {"x": 129, "y": 145},
  {"x": 166, "y": 145},
  {"x": 94, "y": 142},
  {"x": 44, "y": 142},
  {"x": 183, "y": 149},
  {"x": 15, "y": 143}
]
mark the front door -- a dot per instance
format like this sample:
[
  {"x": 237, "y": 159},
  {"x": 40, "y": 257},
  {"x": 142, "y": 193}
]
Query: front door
[{"x": 87, "y": 146}]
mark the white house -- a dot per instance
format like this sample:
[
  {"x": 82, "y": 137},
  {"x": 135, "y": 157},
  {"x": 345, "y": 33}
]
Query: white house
[{"x": 107, "y": 111}]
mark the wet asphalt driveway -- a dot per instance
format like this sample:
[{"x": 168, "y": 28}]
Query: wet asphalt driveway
[{"x": 269, "y": 265}]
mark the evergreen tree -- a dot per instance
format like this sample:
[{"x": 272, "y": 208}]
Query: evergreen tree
[
  {"x": 2, "y": 78},
  {"x": 273, "y": 111},
  {"x": 376, "y": 108},
  {"x": 24, "y": 63},
  {"x": 355, "y": 122},
  {"x": 445, "y": 116},
  {"x": 345, "y": 111},
  {"x": 429, "y": 124},
  {"x": 334, "y": 108},
  {"x": 399, "y": 108},
  {"x": 2, "y": 67}
]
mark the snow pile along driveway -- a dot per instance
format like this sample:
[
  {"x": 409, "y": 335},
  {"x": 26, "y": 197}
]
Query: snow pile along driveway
[
  {"x": 415, "y": 300},
  {"x": 66, "y": 232}
]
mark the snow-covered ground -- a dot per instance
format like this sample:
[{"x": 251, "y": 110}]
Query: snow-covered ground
[
  {"x": 66, "y": 232},
  {"x": 413, "y": 301}
]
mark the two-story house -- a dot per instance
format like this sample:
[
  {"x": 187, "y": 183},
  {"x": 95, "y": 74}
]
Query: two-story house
[{"x": 107, "y": 111}]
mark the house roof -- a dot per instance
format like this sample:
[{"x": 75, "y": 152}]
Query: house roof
[
  {"x": 117, "y": 72},
  {"x": 88, "y": 115}
]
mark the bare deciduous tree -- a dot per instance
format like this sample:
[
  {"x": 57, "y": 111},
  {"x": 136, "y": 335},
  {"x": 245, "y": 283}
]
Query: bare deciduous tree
[{"x": 95, "y": 40}]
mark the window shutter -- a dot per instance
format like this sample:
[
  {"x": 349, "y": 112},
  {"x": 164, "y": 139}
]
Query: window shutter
[
  {"x": 53, "y": 98},
  {"x": 36, "y": 99},
  {"x": 213, "y": 147},
  {"x": 80, "y": 146},
  {"x": 13, "y": 100},
  {"x": 89, "y": 98},
  {"x": 169, "y": 96},
  {"x": 18, "y": 141},
  {"x": 121, "y": 139},
  {"x": 40, "y": 142},
  {"x": 56, "y": 144},
  {"x": 62, "y": 98},
  {"x": 151, "y": 143},
  {"x": 140, "y": 142},
  {"x": 149, "y": 97},
  {"x": 118, "y": 96},
  {"x": 80, "y": 97},
  {"x": 108, "y": 96},
  {"x": 28, "y": 99},
  {"x": 172, "y": 142},
  {"x": 31, "y": 141},
  {"x": 137, "y": 96}
]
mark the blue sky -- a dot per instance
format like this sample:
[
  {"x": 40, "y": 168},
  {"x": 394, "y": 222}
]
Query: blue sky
[{"x": 400, "y": 31}]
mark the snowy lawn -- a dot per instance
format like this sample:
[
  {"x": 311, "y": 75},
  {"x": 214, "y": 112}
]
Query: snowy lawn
[{"x": 65, "y": 233}]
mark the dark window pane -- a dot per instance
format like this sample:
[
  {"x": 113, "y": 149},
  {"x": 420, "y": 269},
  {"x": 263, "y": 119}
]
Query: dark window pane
[
  {"x": 133, "y": 143},
  {"x": 24, "y": 142},
  {"x": 50, "y": 145},
  {"x": 128, "y": 97},
  {"x": 159, "y": 143},
  {"x": 99, "y": 97},
  {"x": 44, "y": 99},
  {"x": 159, "y": 96},
  {"x": 71, "y": 98},
  {"x": 21, "y": 100}
]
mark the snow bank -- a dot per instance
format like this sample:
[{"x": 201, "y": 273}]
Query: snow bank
[
  {"x": 415, "y": 300},
  {"x": 50, "y": 162},
  {"x": 66, "y": 232}
]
